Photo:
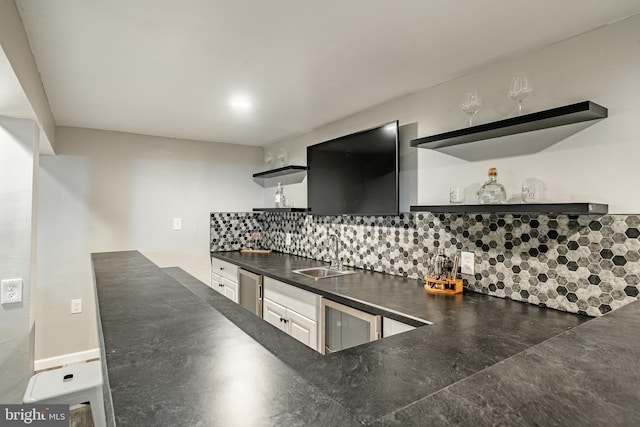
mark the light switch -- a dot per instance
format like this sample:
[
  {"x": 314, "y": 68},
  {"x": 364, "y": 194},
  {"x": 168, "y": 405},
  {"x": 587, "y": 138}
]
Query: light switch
[
  {"x": 76, "y": 306},
  {"x": 467, "y": 263},
  {"x": 177, "y": 224}
]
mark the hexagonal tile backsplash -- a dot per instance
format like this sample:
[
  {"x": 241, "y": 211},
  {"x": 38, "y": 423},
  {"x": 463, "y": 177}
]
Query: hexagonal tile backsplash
[{"x": 581, "y": 264}]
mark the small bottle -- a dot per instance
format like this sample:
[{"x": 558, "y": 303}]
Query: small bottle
[
  {"x": 492, "y": 192},
  {"x": 280, "y": 199}
]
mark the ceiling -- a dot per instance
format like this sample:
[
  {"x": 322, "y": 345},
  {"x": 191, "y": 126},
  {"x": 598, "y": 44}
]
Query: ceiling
[{"x": 169, "y": 67}]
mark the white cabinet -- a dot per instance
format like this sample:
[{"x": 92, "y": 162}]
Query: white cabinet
[
  {"x": 274, "y": 313},
  {"x": 292, "y": 310},
  {"x": 303, "y": 329},
  {"x": 224, "y": 278},
  {"x": 216, "y": 282},
  {"x": 230, "y": 289},
  {"x": 392, "y": 327}
]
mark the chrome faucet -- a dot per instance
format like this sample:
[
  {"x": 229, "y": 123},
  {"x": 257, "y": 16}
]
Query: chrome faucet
[{"x": 336, "y": 264}]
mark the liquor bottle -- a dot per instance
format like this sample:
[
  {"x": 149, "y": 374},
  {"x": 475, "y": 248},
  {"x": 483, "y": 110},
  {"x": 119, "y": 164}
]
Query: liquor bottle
[
  {"x": 280, "y": 199},
  {"x": 492, "y": 192}
]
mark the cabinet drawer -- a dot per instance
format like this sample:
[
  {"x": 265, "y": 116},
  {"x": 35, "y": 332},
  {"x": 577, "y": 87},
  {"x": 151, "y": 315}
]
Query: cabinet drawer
[
  {"x": 224, "y": 269},
  {"x": 301, "y": 301}
]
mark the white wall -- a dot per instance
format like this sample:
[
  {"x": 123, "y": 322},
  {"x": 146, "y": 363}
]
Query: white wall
[
  {"x": 15, "y": 44},
  {"x": 109, "y": 191},
  {"x": 18, "y": 179},
  {"x": 596, "y": 164}
]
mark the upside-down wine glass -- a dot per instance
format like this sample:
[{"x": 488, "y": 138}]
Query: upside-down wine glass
[{"x": 283, "y": 156}]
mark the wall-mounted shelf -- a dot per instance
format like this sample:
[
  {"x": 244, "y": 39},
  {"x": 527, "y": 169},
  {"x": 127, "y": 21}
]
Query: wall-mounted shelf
[
  {"x": 561, "y": 116},
  {"x": 518, "y": 208},
  {"x": 285, "y": 175},
  {"x": 280, "y": 209}
]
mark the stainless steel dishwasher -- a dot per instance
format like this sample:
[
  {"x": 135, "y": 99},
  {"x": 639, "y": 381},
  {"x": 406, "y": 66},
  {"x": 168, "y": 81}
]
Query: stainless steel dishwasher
[{"x": 250, "y": 291}]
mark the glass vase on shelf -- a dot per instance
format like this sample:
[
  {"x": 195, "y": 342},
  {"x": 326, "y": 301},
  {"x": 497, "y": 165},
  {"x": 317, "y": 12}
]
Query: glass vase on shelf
[
  {"x": 532, "y": 190},
  {"x": 280, "y": 200},
  {"x": 492, "y": 192}
]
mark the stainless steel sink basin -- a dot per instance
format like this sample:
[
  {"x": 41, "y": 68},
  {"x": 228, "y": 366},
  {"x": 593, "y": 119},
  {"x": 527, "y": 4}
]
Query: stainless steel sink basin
[{"x": 322, "y": 272}]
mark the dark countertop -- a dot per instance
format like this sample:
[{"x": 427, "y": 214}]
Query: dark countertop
[
  {"x": 588, "y": 376},
  {"x": 195, "y": 358},
  {"x": 470, "y": 332},
  {"x": 172, "y": 360},
  {"x": 397, "y": 297}
]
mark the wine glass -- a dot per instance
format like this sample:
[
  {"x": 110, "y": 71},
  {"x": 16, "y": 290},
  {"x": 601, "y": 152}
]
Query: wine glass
[
  {"x": 268, "y": 158},
  {"x": 471, "y": 104},
  {"x": 521, "y": 87},
  {"x": 283, "y": 156}
]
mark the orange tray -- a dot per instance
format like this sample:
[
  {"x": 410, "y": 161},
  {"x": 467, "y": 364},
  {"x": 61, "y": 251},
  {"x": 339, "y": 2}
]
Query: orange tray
[{"x": 443, "y": 287}]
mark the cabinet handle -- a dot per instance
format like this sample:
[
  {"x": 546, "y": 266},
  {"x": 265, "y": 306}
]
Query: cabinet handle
[{"x": 221, "y": 285}]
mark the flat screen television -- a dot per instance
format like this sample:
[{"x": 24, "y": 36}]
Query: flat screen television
[{"x": 355, "y": 174}]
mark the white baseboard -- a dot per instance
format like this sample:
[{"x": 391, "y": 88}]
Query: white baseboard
[{"x": 66, "y": 359}]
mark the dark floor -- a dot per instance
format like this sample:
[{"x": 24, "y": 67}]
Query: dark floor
[{"x": 80, "y": 415}]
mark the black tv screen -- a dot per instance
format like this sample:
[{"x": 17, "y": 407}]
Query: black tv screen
[{"x": 355, "y": 174}]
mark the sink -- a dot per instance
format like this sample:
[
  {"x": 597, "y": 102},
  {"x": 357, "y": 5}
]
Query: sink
[{"x": 322, "y": 272}]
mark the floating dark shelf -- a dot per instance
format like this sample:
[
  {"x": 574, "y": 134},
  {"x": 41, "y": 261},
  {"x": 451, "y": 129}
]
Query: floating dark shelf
[
  {"x": 286, "y": 175},
  {"x": 286, "y": 170},
  {"x": 561, "y": 116},
  {"x": 280, "y": 209},
  {"x": 518, "y": 208}
]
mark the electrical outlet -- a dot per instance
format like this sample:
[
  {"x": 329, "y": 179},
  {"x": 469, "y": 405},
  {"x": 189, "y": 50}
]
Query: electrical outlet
[
  {"x": 76, "y": 306},
  {"x": 287, "y": 239},
  {"x": 11, "y": 291},
  {"x": 467, "y": 263},
  {"x": 177, "y": 224}
]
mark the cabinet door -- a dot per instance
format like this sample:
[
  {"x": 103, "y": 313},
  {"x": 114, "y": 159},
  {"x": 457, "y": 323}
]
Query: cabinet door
[
  {"x": 230, "y": 293},
  {"x": 274, "y": 313},
  {"x": 303, "y": 329},
  {"x": 216, "y": 283},
  {"x": 230, "y": 289}
]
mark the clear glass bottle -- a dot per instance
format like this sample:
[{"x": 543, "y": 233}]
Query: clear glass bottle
[
  {"x": 280, "y": 199},
  {"x": 492, "y": 192}
]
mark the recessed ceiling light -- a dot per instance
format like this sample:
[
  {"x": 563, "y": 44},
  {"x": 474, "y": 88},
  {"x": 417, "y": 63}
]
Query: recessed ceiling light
[{"x": 240, "y": 103}]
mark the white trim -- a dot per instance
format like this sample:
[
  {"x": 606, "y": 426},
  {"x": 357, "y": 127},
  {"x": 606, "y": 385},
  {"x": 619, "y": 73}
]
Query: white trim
[{"x": 66, "y": 359}]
